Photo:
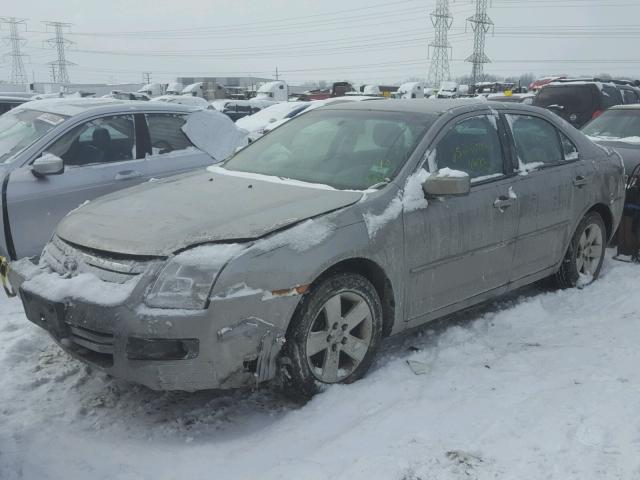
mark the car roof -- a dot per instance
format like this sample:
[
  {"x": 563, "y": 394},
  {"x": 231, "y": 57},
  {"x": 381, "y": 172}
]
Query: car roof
[
  {"x": 76, "y": 106},
  {"x": 426, "y": 106}
]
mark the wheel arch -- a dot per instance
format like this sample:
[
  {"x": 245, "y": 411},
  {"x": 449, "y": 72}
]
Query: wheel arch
[
  {"x": 377, "y": 276},
  {"x": 606, "y": 215}
]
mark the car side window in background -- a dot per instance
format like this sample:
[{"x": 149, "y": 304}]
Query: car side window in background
[
  {"x": 165, "y": 131},
  {"x": 610, "y": 96},
  {"x": 103, "y": 140},
  {"x": 537, "y": 141},
  {"x": 472, "y": 146}
]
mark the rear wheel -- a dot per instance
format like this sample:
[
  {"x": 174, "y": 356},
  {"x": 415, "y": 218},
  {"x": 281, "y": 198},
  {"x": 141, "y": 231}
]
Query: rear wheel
[
  {"x": 583, "y": 260},
  {"x": 333, "y": 336}
]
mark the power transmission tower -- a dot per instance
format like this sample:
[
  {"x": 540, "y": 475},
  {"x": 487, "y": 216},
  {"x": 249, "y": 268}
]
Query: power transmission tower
[
  {"x": 442, "y": 20},
  {"x": 18, "y": 73},
  {"x": 146, "y": 77},
  {"x": 60, "y": 44},
  {"x": 52, "y": 72},
  {"x": 480, "y": 24}
]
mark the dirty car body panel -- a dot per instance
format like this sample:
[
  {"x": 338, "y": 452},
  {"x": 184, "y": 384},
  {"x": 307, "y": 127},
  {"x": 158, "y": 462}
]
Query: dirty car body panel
[{"x": 261, "y": 241}]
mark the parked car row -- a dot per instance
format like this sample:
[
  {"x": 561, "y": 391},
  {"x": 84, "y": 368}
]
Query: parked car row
[{"x": 296, "y": 256}]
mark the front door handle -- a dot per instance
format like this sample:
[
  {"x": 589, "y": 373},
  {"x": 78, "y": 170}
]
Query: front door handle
[
  {"x": 127, "y": 175},
  {"x": 579, "y": 181},
  {"x": 503, "y": 202}
]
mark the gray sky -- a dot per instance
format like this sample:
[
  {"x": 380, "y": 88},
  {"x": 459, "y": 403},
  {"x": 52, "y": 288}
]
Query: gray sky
[{"x": 363, "y": 41}]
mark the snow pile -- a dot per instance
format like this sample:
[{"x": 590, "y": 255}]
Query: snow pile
[
  {"x": 301, "y": 237},
  {"x": 214, "y": 133},
  {"x": 537, "y": 385},
  {"x": 85, "y": 287},
  {"x": 450, "y": 173}
]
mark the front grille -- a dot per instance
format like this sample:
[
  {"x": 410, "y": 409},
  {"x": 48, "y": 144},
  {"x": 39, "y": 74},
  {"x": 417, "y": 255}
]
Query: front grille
[
  {"x": 66, "y": 259},
  {"x": 92, "y": 345}
]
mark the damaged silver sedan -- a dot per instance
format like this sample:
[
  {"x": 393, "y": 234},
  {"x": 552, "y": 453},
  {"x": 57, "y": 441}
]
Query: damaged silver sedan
[{"x": 296, "y": 257}]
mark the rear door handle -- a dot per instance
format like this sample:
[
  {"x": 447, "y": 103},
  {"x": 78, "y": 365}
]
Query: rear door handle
[
  {"x": 127, "y": 175},
  {"x": 579, "y": 181},
  {"x": 503, "y": 202}
]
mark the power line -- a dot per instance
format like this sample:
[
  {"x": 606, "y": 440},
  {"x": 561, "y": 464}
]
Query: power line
[
  {"x": 442, "y": 20},
  {"x": 60, "y": 44},
  {"x": 18, "y": 73},
  {"x": 480, "y": 24}
]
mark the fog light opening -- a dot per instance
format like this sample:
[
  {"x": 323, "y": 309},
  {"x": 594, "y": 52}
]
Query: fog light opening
[{"x": 162, "y": 349}]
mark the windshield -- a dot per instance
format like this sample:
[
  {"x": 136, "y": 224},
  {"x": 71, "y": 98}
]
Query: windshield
[
  {"x": 20, "y": 128},
  {"x": 615, "y": 124},
  {"x": 344, "y": 149}
]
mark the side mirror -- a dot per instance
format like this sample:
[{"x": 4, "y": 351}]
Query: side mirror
[
  {"x": 47, "y": 164},
  {"x": 447, "y": 182}
]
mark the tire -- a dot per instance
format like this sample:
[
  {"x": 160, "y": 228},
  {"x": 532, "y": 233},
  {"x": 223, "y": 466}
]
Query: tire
[
  {"x": 333, "y": 336},
  {"x": 583, "y": 261}
]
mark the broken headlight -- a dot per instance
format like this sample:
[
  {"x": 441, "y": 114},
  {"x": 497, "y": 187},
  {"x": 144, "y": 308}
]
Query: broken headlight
[{"x": 186, "y": 279}]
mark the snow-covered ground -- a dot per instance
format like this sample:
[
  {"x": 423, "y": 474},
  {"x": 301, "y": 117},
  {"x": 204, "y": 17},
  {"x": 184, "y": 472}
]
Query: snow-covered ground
[{"x": 539, "y": 385}]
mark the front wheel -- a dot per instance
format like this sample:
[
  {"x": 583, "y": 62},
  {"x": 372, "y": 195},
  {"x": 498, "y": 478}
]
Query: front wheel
[
  {"x": 333, "y": 336},
  {"x": 583, "y": 260}
]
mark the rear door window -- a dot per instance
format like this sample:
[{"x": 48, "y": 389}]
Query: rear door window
[
  {"x": 165, "y": 132},
  {"x": 537, "y": 142},
  {"x": 472, "y": 146}
]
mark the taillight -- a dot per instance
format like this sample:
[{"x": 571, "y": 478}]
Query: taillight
[{"x": 596, "y": 114}]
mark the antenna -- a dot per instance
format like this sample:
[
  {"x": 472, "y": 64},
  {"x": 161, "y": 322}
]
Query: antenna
[
  {"x": 480, "y": 24},
  {"x": 442, "y": 20},
  {"x": 60, "y": 44},
  {"x": 18, "y": 73}
]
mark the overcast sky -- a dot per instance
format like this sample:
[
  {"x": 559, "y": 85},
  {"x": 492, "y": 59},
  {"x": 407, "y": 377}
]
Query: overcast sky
[{"x": 363, "y": 41}]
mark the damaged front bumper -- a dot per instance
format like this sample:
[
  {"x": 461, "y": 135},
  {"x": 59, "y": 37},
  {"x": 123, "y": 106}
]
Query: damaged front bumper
[{"x": 234, "y": 343}]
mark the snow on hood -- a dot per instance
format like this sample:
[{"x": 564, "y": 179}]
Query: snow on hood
[
  {"x": 214, "y": 133},
  {"x": 273, "y": 113}
]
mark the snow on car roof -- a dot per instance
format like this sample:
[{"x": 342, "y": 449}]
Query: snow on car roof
[{"x": 75, "y": 106}]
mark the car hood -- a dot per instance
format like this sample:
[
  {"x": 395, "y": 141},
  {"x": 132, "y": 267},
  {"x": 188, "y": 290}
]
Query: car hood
[
  {"x": 630, "y": 152},
  {"x": 162, "y": 217}
]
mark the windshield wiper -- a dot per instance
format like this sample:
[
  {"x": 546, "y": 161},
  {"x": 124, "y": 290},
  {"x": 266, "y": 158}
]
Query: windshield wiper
[{"x": 379, "y": 185}]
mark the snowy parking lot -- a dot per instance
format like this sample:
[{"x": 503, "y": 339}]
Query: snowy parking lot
[{"x": 540, "y": 384}]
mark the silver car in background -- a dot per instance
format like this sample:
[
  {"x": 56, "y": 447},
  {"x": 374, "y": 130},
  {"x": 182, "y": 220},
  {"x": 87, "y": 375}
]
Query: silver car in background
[
  {"x": 348, "y": 224},
  {"x": 57, "y": 154}
]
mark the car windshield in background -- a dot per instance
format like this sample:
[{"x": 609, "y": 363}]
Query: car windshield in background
[
  {"x": 20, "y": 128},
  {"x": 615, "y": 124},
  {"x": 344, "y": 149}
]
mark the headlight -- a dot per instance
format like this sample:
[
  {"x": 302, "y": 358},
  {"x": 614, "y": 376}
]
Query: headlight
[{"x": 187, "y": 278}]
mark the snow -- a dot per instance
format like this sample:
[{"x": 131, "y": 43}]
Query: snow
[
  {"x": 270, "y": 178},
  {"x": 450, "y": 173},
  {"x": 214, "y": 255},
  {"x": 259, "y": 120},
  {"x": 239, "y": 290},
  {"x": 486, "y": 177},
  {"x": 411, "y": 199},
  {"x": 629, "y": 140},
  {"x": 214, "y": 133},
  {"x": 188, "y": 100},
  {"x": 300, "y": 237},
  {"x": 85, "y": 286},
  {"x": 537, "y": 385}
]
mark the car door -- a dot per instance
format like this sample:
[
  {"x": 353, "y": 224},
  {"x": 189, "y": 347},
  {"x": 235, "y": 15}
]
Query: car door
[
  {"x": 170, "y": 151},
  {"x": 100, "y": 156},
  {"x": 545, "y": 185},
  {"x": 460, "y": 249}
]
